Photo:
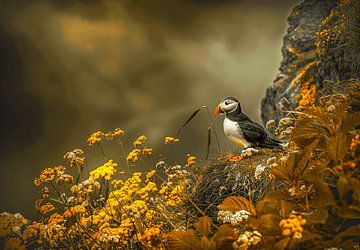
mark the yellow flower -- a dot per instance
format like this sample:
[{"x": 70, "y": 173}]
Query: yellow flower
[
  {"x": 55, "y": 218},
  {"x": 9, "y": 221},
  {"x": 95, "y": 138},
  {"x": 133, "y": 156},
  {"x": 14, "y": 243},
  {"x": 147, "y": 151},
  {"x": 292, "y": 226},
  {"x": 107, "y": 171},
  {"x": 112, "y": 134},
  {"x": 190, "y": 161},
  {"x": 139, "y": 141},
  {"x": 51, "y": 174},
  {"x": 169, "y": 139},
  {"x": 150, "y": 175},
  {"x": 72, "y": 211},
  {"x": 47, "y": 208}
]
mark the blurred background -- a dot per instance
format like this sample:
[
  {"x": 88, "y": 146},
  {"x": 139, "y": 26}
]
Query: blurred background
[{"x": 71, "y": 67}]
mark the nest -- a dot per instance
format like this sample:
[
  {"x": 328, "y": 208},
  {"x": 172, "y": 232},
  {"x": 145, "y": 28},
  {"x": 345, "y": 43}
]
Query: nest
[{"x": 221, "y": 178}]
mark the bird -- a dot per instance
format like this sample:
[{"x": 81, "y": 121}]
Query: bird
[{"x": 240, "y": 129}]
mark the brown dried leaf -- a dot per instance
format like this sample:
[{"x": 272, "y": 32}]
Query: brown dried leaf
[
  {"x": 236, "y": 203},
  {"x": 182, "y": 240},
  {"x": 203, "y": 226}
]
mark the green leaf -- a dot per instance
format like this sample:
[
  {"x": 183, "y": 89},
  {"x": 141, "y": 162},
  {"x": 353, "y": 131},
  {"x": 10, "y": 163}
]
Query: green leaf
[
  {"x": 337, "y": 147},
  {"x": 183, "y": 240},
  {"x": 237, "y": 203},
  {"x": 203, "y": 226}
]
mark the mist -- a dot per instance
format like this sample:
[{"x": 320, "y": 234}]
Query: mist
[{"x": 69, "y": 68}]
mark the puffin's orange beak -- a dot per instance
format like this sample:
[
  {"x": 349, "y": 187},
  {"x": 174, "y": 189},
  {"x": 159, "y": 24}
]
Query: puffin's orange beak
[{"x": 217, "y": 110}]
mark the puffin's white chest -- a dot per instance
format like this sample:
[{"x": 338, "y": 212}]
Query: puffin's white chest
[{"x": 234, "y": 133}]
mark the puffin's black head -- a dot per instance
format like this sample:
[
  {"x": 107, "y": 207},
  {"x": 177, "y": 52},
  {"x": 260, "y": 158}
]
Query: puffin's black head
[{"x": 228, "y": 105}]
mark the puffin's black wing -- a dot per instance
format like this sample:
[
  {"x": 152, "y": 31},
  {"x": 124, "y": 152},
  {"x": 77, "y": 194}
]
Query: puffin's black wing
[{"x": 253, "y": 132}]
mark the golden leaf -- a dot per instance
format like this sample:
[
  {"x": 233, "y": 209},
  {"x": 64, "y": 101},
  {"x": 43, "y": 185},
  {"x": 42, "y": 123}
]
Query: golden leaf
[
  {"x": 269, "y": 223},
  {"x": 355, "y": 186},
  {"x": 285, "y": 170},
  {"x": 350, "y": 122},
  {"x": 317, "y": 216},
  {"x": 203, "y": 226},
  {"x": 305, "y": 156},
  {"x": 337, "y": 147},
  {"x": 206, "y": 244},
  {"x": 350, "y": 232},
  {"x": 285, "y": 208},
  {"x": 342, "y": 185},
  {"x": 237, "y": 203},
  {"x": 182, "y": 240},
  {"x": 224, "y": 237},
  {"x": 282, "y": 244}
]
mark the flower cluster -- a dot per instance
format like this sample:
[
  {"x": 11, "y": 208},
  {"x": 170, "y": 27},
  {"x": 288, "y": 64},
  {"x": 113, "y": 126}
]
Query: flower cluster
[
  {"x": 74, "y": 157},
  {"x": 113, "y": 134},
  {"x": 56, "y": 174},
  {"x": 235, "y": 219},
  {"x": 307, "y": 95},
  {"x": 169, "y": 139},
  {"x": 96, "y": 137},
  {"x": 139, "y": 141},
  {"x": 190, "y": 161},
  {"x": 9, "y": 222},
  {"x": 247, "y": 239},
  {"x": 346, "y": 165},
  {"x": 105, "y": 171},
  {"x": 133, "y": 155},
  {"x": 292, "y": 226},
  {"x": 355, "y": 143}
]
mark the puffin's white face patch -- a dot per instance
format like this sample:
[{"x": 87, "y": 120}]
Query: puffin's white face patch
[{"x": 228, "y": 105}]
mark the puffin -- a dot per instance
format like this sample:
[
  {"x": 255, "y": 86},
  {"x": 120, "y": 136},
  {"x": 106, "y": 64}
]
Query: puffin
[{"x": 240, "y": 129}]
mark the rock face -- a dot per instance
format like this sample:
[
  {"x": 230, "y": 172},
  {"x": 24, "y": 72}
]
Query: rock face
[{"x": 321, "y": 49}]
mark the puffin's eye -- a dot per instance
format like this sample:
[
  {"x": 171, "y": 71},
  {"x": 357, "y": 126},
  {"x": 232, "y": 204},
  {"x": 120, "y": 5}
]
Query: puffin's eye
[{"x": 226, "y": 103}]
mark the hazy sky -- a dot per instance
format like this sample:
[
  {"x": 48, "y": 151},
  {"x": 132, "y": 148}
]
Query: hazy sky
[{"x": 68, "y": 68}]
